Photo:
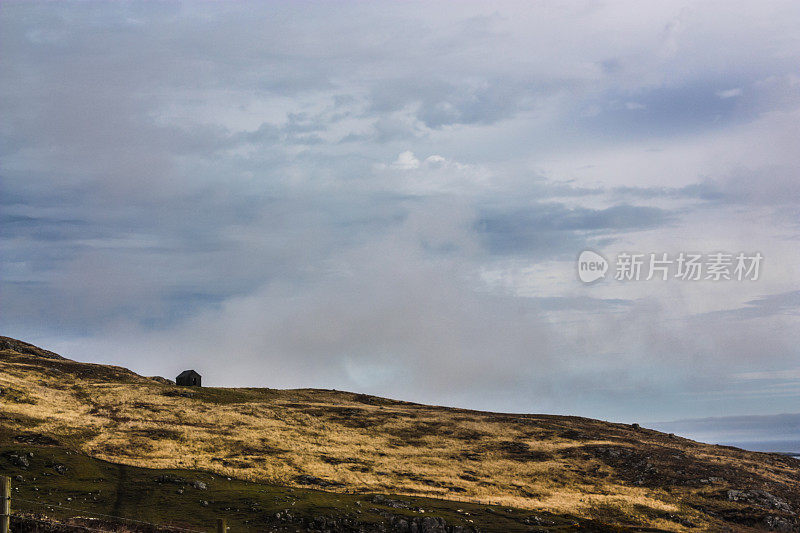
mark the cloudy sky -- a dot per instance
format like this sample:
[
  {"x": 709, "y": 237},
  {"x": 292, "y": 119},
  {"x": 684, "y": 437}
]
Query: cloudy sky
[{"x": 391, "y": 197}]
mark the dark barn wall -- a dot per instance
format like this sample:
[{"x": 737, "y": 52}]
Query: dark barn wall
[{"x": 191, "y": 379}]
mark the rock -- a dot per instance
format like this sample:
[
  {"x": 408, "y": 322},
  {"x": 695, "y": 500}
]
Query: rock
[
  {"x": 169, "y": 478},
  {"x": 162, "y": 380},
  {"x": 573, "y": 434},
  {"x": 427, "y": 524},
  {"x": 61, "y": 469},
  {"x": 7, "y": 343},
  {"x": 199, "y": 485},
  {"x": 35, "y": 438},
  {"x": 20, "y": 461},
  {"x": 778, "y": 523},
  {"x": 388, "y": 502},
  {"x": 759, "y": 498}
]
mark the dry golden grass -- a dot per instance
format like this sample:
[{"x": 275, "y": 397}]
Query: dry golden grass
[{"x": 356, "y": 443}]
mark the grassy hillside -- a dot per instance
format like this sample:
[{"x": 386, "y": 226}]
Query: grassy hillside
[
  {"x": 349, "y": 443},
  {"x": 73, "y": 482}
]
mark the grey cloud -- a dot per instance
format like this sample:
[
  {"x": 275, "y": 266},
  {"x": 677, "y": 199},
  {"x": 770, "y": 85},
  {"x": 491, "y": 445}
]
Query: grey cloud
[
  {"x": 765, "y": 186},
  {"x": 555, "y": 228},
  {"x": 773, "y": 433},
  {"x": 582, "y": 303},
  {"x": 786, "y": 303},
  {"x": 669, "y": 110},
  {"x": 484, "y": 105},
  {"x": 174, "y": 175},
  {"x": 385, "y": 305},
  {"x": 776, "y": 424},
  {"x": 774, "y": 185}
]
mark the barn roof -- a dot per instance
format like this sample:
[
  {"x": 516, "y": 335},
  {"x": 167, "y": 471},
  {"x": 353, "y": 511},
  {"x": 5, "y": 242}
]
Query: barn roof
[{"x": 187, "y": 373}]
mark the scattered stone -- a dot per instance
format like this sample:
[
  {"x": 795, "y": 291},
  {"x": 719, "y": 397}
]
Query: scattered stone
[
  {"x": 778, "y": 523},
  {"x": 199, "y": 485},
  {"x": 169, "y": 478},
  {"x": 388, "y": 502},
  {"x": 20, "y": 461},
  {"x": 162, "y": 380},
  {"x": 36, "y": 438},
  {"x": 574, "y": 434},
  {"x": 760, "y": 498},
  {"x": 427, "y": 524}
]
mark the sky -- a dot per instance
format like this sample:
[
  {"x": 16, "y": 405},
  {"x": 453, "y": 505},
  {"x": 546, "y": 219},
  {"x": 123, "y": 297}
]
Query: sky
[{"x": 391, "y": 198}]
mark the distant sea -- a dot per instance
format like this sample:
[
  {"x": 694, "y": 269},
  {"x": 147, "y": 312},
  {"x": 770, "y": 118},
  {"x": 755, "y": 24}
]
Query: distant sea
[{"x": 788, "y": 447}]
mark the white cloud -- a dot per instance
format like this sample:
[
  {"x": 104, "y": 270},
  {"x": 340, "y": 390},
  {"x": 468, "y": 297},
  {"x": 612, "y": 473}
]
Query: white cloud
[
  {"x": 433, "y": 175},
  {"x": 730, "y": 93},
  {"x": 406, "y": 161}
]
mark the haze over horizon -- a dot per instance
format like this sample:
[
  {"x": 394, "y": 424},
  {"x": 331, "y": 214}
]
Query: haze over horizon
[{"x": 390, "y": 198}]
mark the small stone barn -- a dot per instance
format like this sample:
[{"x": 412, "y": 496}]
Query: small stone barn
[{"x": 188, "y": 378}]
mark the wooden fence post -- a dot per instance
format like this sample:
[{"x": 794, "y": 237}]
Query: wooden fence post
[
  {"x": 222, "y": 525},
  {"x": 5, "y": 504}
]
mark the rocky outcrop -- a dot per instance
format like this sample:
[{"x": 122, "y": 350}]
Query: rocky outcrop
[
  {"x": 162, "y": 380},
  {"x": 760, "y": 498},
  {"x": 392, "y": 524},
  {"x": 7, "y": 343}
]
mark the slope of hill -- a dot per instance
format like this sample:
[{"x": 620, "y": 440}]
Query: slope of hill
[{"x": 350, "y": 443}]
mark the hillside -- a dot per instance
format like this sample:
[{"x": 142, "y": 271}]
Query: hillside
[{"x": 566, "y": 469}]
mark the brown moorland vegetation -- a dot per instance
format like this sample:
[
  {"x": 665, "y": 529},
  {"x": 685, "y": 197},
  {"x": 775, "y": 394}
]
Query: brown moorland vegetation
[{"x": 347, "y": 442}]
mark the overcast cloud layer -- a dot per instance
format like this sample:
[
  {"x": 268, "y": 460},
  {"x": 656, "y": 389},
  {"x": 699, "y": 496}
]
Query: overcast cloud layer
[{"x": 390, "y": 197}]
